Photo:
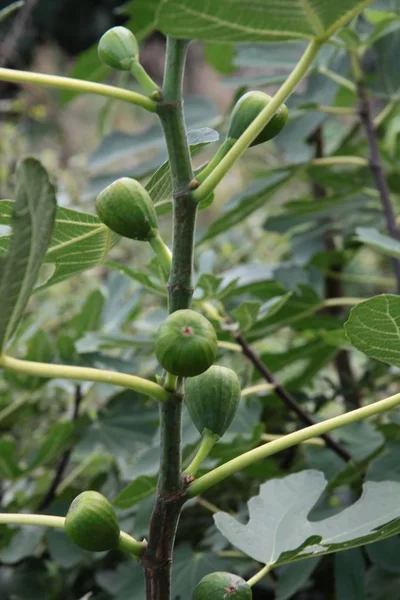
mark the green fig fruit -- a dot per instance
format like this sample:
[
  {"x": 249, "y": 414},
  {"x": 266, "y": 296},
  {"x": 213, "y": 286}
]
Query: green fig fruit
[
  {"x": 127, "y": 209},
  {"x": 186, "y": 343},
  {"x": 212, "y": 399},
  {"x": 222, "y": 586},
  {"x": 91, "y": 523},
  {"x": 117, "y": 48},
  {"x": 247, "y": 108}
]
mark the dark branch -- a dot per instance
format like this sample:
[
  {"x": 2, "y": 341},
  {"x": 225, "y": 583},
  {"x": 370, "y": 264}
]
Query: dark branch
[
  {"x": 287, "y": 398},
  {"x": 376, "y": 167},
  {"x": 64, "y": 460}
]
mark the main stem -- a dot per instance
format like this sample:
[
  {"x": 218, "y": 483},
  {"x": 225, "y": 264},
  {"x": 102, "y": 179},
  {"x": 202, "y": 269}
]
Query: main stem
[{"x": 164, "y": 520}]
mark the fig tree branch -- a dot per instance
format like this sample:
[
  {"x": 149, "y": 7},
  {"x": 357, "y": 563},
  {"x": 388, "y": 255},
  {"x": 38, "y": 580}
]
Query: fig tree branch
[{"x": 375, "y": 160}]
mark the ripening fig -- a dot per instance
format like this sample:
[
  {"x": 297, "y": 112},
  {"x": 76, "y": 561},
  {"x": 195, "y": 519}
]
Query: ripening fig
[
  {"x": 186, "y": 343},
  {"x": 127, "y": 209},
  {"x": 222, "y": 586},
  {"x": 247, "y": 108},
  {"x": 91, "y": 523},
  {"x": 117, "y": 48},
  {"x": 212, "y": 399}
]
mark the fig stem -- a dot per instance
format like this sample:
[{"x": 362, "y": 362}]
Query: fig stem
[
  {"x": 143, "y": 78},
  {"x": 53, "y": 371},
  {"x": 78, "y": 85},
  {"x": 244, "y": 141},
  {"x": 216, "y": 159},
  {"x": 258, "y": 576},
  {"x": 207, "y": 442},
  {"x": 162, "y": 252},
  {"x": 127, "y": 543},
  {"x": 170, "y": 381},
  {"x": 292, "y": 439}
]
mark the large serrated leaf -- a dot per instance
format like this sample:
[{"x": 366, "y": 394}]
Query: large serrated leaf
[
  {"x": 374, "y": 328},
  {"x": 279, "y": 530},
  {"x": 255, "y": 20},
  {"x": 79, "y": 242},
  {"x": 32, "y": 220}
]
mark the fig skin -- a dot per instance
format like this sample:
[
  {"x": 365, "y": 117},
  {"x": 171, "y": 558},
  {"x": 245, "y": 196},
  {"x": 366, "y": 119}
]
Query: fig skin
[
  {"x": 118, "y": 48},
  {"x": 222, "y": 586}
]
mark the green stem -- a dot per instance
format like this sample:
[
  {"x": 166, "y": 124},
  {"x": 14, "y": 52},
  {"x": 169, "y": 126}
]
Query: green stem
[
  {"x": 143, "y": 78},
  {"x": 271, "y": 437},
  {"x": 292, "y": 439},
  {"x": 340, "y": 160},
  {"x": 260, "y": 387},
  {"x": 170, "y": 382},
  {"x": 298, "y": 73},
  {"x": 216, "y": 159},
  {"x": 162, "y": 252},
  {"x": 207, "y": 443},
  {"x": 38, "y": 369},
  {"x": 342, "y": 81},
  {"x": 78, "y": 85},
  {"x": 258, "y": 576},
  {"x": 128, "y": 544}
]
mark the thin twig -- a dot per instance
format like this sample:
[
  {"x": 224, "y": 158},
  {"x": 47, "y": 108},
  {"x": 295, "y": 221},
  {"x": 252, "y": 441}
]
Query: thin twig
[
  {"x": 287, "y": 398},
  {"x": 375, "y": 164},
  {"x": 64, "y": 460},
  {"x": 334, "y": 289}
]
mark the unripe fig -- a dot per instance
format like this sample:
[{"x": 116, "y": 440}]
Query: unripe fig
[
  {"x": 222, "y": 586},
  {"x": 127, "y": 209},
  {"x": 247, "y": 108},
  {"x": 117, "y": 48},
  {"x": 186, "y": 343},
  {"x": 91, "y": 523},
  {"x": 212, "y": 399}
]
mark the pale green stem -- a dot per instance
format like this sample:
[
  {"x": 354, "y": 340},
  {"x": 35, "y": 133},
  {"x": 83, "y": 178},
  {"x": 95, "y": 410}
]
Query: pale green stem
[
  {"x": 207, "y": 443},
  {"x": 342, "y": 81},
  {"x": 271, "y": 437},
  {"x": 337, "y": 110},
  {"x": 65, "y": 483},
  {"x": 144, "y": 80},
  {"x": 216, "y": 159},
  {"x": 78, "y": 85},
  {"x": 340, "y": 160},
  {"x": 254, "y": 389},
  {"x": 170, "y": 382},
  {"x": 207, "y": 505},
  {"x": 361, "y": 279},
  {"x": 162, "y": 252},
  {"x": 292, "y": 439},
  {"x": 128, "y": 544},
  {"x": 298, "y": 73},
  {"x": 385, "y": 112},
  {"x": 38, "y": 369},
  {"x": 25, "y": 519},
  {"x": 229, "y": 346},
  {"x": 258, "y": 576},
  {"x": 212, "y": 311}
]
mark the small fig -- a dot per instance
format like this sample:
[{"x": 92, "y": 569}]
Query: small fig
[
  {"x": 186, "y": 343},
  {"x": 222, "y": 586},
  {"x": 91, "y": 523},
  {"x": 117, "y": 48},
  {"x": 212, "y": 399},
  {"x": 127, "y": 209},
  {"x": 247, "y": 108}
]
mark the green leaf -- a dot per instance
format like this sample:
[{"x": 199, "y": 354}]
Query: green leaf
[
  {"x": 139, "y": 489},
  {"x": 258, "y": 21},
  {"x": 374, "y": 328},
  {"x": 56, "y": 441},
  {"x": 145, "y": 280},
  {"x": 350, "y": 575},
  {"x": 383, "y": 243},
  {"x": 79, "y": 242},
  {"x": 9, "y": 468},
  {"x": 279, "y": 531},
  {"x": 23, "y": 544},
  {"x": 32, "y": 221},
  {"x": 293, "y": 577},
  {"x": 246, "y": 314},
  {"x": 254, "y": 197}
]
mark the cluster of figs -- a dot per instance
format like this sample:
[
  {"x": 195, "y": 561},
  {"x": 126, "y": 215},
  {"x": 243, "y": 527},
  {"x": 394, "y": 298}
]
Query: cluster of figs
[{"x": 186, "y": 342}]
